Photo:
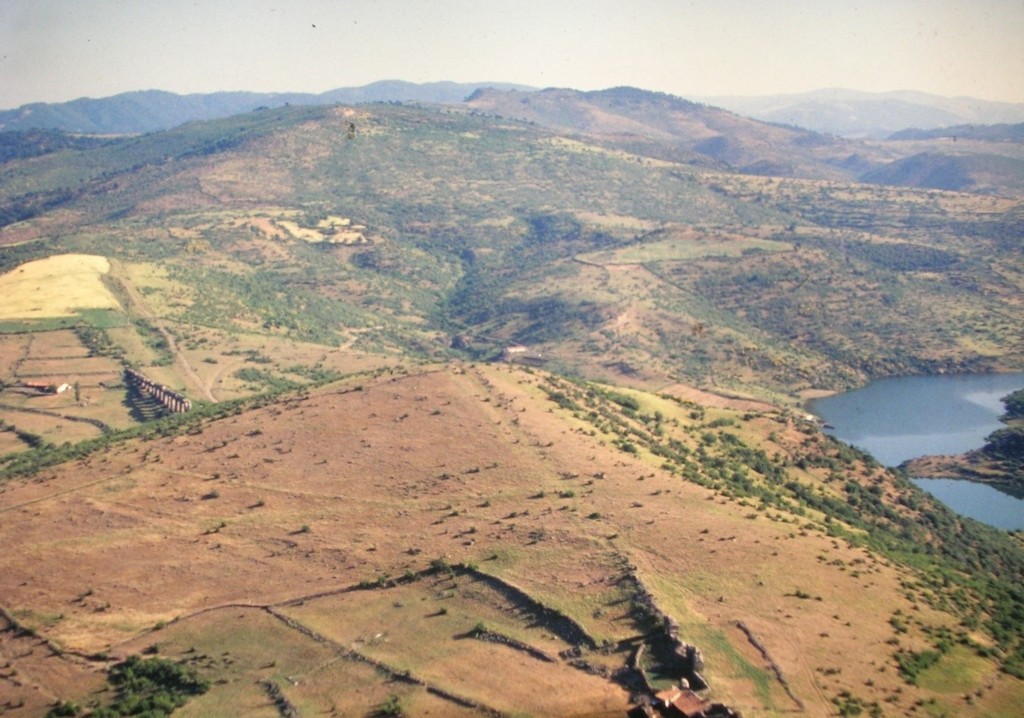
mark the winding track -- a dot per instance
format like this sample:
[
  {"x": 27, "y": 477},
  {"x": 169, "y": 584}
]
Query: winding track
[{"x": 137, "y": 306}]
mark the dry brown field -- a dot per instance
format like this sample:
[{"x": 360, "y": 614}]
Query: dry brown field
[
  {"x": 9, "y": 441},
  {"x": 58, "y": 357},
  {"x": 34, "y": 675},
  {"x": 216, "y": 356},
  {"x": 68, "y": 368},
  {"x": 264, "y": 547},
  {"x": 60, "y": 344},
  {"x": 51, "y": 426},
  {"x": 13, "y": 348}
]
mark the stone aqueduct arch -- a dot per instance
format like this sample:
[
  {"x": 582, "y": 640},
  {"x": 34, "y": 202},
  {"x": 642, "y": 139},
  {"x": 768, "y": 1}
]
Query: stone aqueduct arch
[{"x": 169, "y": 399}]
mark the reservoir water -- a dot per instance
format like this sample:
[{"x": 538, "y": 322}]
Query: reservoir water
[{"x": 905, "y": 417}]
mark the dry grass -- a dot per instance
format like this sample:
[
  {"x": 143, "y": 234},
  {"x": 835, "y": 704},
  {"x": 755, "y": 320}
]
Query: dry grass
[
  {"x": 9, "y": 441},
  {"x": 425, "y": 628},
  {"x": 13, "y": 348},
  {"x": 320, "y": 493},
  {"x": 57, "y": 286},
  {"x": 33, "y": 676},
  {"x": 51, "y": 428},
  {"x": 229, "y": 646},
  {"x": 61, "y": 344}
]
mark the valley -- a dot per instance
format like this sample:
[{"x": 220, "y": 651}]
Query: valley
[{"x": 496, "y": 411}]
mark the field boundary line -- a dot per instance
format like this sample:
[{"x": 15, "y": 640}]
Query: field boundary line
[
  {"x": 66, "y": 491},
  {"x": 390, "y": 671},
  {"x": 776, "y": 669},
  {"x": 104, "y": 428}
]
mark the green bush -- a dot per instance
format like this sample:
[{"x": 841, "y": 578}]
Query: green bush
[
  {"x": 911, "y": 664},
  {"x": 153, "y": 687}
]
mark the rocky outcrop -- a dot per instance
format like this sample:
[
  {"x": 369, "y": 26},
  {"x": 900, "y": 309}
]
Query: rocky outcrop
[{"x": 689, "y": 658}]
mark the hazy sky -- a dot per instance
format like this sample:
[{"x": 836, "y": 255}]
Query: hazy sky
[{"x": 57, "y": 50}]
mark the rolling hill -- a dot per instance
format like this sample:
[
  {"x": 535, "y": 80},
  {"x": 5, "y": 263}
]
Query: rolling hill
[
  {"x": 674, "y": 129},
  {"x": 336, "y": 550},
  {"x": 153, "y": 110},
  {"x": 986, "y": 160},
  {"x": 603, "y": 259},
  {"x": 934, "y": 170},
  {"x": 991, "y": 133}
]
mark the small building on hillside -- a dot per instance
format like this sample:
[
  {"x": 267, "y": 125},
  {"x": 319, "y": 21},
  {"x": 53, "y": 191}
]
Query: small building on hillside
[
  {"x": 43, "y": 387},
  {"x": 684, "y": 703},
  {"x": 689, "y": 704},
  {"x": 521, "y": 354}
]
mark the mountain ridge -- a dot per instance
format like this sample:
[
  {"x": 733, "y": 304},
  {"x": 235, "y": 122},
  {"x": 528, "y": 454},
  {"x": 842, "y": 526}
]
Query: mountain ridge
[
  {"x": 849, "y": 113},
  {"x": 675, "y": 129},
  {"x": 153, "y": 110}
]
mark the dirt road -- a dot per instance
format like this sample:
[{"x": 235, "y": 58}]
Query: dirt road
[{"x": 137, "y": 307}]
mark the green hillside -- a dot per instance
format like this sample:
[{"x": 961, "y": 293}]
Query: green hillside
[{"x": 501, "y": 232}]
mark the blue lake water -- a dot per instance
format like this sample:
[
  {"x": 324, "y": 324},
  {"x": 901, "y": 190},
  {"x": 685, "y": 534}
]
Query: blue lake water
[
  {"x": 979, "y": 501},
  {"x": 906, "y": 417}
]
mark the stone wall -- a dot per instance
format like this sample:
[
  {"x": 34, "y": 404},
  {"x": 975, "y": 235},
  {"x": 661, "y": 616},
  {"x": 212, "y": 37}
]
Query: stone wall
[{"x": 689, "y": 657}]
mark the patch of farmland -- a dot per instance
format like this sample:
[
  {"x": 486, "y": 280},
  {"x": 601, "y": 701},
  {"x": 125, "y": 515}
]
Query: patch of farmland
[
  {"x": 449, "y": 631},
  {"x": 59, "y": 344},
  {"x": 51, "y": 427},
  {"x": 57, "y": 286},
  {"x": 42, "y": 675},
  {"x": 229, "y": 647},
  {"x": 69, "y": 369},
  {"x": 9, "y": 440},
  {"x": 13, "y": 348},
  {"x": 304, "y": 233},
  {"x": 356, "y": 688}
]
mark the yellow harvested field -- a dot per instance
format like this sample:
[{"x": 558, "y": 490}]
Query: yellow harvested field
[{"x": 57, "y": 286}]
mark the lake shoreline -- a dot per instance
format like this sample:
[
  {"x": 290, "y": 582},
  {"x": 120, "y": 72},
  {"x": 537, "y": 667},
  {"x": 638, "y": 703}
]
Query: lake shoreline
[
  {"x": 963, "y": 467},
  {"x": 807, "y": 397},
  {"x": 933, "y": 427}
]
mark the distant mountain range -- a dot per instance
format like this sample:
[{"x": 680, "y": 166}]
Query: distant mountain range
[
  {"x": 850, "y": 113},
  {"x": 980, "y": 159},
  {"x": 642, "y": 123},
  {"x": 847, "y": 113},
  {"x": 153, "y": 110}
]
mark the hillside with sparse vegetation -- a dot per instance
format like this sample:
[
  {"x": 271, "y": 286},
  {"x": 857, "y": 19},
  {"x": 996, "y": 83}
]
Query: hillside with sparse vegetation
[{"x": 530, "y": 393}]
